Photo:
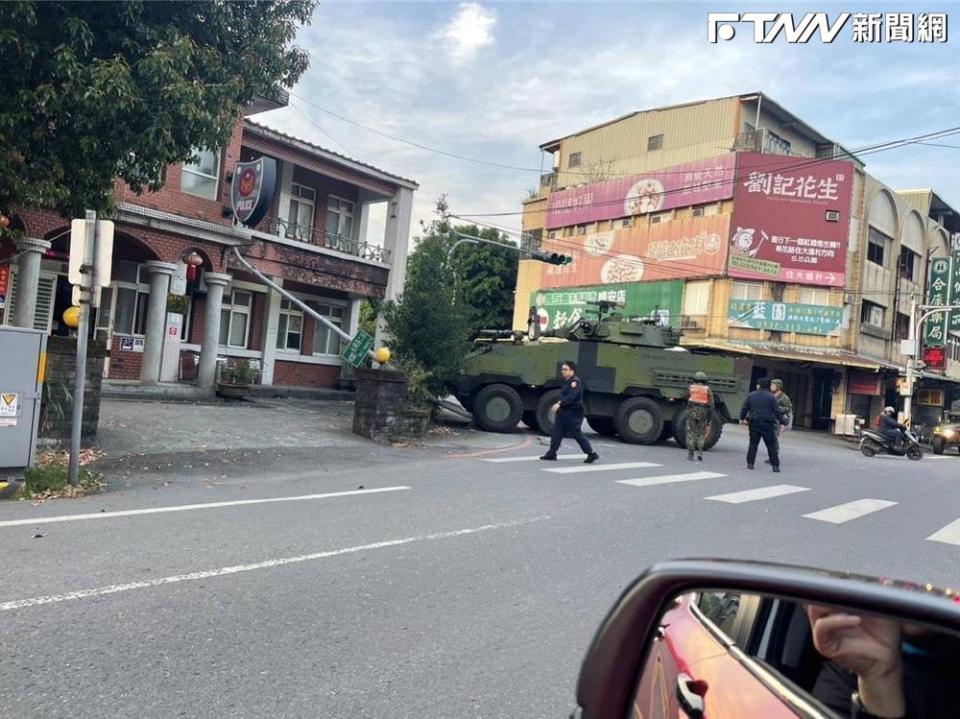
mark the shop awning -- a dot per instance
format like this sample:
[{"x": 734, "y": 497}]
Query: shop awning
[
  {"x": 938, "y": 377},
  {"x": 793, "y": 353}
]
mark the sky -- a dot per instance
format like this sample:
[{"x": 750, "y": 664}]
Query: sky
[{"x": 491, "y": 81}]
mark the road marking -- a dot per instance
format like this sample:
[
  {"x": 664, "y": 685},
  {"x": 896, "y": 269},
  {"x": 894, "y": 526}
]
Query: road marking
[
  {"x": 190, "y": 507},
  {"x": 851, "y": 510},
  {"x": 603, "y": 467},
  {"x": 948, "y": 535},
  {"x": 531, "y": 458},
  {"x": 268, "y": 564},
  {"x": 753, "y": 495},
  {"x": 670, "y": 479}
]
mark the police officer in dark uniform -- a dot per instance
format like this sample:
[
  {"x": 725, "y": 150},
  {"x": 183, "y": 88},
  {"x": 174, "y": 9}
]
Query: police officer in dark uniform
[
  {"x": 570, "y": 415},
  {"x": 763, "y": 414}
]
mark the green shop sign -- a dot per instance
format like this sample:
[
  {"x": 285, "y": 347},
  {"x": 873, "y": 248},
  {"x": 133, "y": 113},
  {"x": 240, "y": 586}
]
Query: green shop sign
[
  {"x": 562, "y": 306},
  {"x": 935, "y": 328},
  {"x": 785, "y": 317}
]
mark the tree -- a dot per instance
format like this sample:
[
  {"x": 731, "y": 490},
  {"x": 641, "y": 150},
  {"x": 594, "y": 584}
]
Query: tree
[
  {"x": 486, "y": 279},
  {"x": 98, "y": 90}
]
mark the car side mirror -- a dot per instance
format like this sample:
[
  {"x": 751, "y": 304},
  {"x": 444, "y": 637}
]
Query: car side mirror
[{"x": 702, "y": 638}]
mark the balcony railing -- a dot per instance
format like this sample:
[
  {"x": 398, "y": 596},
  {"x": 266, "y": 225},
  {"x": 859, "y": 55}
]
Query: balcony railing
[
  {"x": 763, "y": 141},
  {"x": 328, "y": 240}
]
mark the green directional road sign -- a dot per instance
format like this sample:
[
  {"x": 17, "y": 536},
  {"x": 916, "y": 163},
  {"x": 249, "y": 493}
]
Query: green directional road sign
[{"x": 357, "y": 350}]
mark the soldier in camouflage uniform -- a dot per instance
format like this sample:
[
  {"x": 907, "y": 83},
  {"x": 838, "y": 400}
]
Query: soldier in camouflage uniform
[
  {"x": 699, "y": 404},
  {"x": 783, "y": 401}
]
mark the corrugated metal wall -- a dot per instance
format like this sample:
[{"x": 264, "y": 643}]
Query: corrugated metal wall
[{"x": 690, "y": 132}]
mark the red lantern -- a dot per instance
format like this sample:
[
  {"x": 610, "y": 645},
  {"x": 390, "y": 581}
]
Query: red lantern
[{"x": 193, "y": 260}]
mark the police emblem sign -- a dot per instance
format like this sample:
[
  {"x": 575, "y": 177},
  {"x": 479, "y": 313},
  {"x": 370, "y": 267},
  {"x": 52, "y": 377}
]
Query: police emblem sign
[{"x": 252, "y": 189}]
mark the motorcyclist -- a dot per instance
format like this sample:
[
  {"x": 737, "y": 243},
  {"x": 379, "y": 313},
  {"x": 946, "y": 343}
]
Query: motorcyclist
[{"x": 891, "y": 429}]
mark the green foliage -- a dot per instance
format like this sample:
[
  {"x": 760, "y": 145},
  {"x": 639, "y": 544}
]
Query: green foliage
[
  {"x": 55, "y": 401},
  {"x": 49, "y": 478},
  {"x": 487, "y": 278},
  {"x": 178, "y": 304},
  {"x": 418, "y": 381},
  {"x": 369, "y": 310},
  {"x": 238, "y": 371},
  {"x": 97, "y": 90}
]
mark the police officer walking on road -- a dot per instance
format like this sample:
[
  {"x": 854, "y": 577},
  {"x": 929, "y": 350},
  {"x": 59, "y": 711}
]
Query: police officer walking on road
[
  {"x": 699, "y": 405},
  {"x": 569, "y": 418},
  {"x": 762, "y": 413}
]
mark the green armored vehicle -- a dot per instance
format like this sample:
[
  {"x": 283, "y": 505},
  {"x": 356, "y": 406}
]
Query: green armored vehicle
[{"x": 635, "y": 373}]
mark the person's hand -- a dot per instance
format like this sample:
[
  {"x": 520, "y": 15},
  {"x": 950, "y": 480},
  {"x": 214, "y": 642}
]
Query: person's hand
[
  {"x": 556, "y": 407},
  {"x": 743, "y": 421},
  {"x": 868, "y": 646}
]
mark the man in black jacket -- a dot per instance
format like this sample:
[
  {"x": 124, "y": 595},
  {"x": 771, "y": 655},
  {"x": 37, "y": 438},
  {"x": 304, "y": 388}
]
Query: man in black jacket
[
  {"x": 763, "y": 414},
  {"x": 569, "y": 418}
]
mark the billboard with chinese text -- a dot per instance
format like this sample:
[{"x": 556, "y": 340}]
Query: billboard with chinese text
[
  {"x": 939, "y": 292},
  {"x": 693, "y": 183},
  {"x": 821, "y": 320},
  {"x": 558, "y": 308},
  {"x": 791, "y": 217},
  {"x": 688, "y": 247}
]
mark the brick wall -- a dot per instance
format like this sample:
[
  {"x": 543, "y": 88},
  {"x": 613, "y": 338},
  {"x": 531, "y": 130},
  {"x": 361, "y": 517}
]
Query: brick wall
[
  {"x": 305, "y": 375},
  {"x": 198, "y": 319},
  {"x": 124, "y": 365},
  {"x": 57, "y": 405}
]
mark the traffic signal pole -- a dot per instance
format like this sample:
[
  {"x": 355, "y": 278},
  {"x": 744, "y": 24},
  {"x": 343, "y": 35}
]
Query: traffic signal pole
[{"x": 554, "y": 259}]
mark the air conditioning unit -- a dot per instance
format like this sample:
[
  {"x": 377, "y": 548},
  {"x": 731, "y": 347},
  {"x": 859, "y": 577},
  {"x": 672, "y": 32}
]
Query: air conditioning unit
[{"x": 833, "y": 215}]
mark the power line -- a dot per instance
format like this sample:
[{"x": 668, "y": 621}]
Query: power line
[
  {"x": 810, "y": 162},
  {"x": 316, "y": 124}
]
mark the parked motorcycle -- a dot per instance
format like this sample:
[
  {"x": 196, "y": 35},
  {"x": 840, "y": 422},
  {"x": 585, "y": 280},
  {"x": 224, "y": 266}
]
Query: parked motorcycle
[{"x": 873, "y": 443}]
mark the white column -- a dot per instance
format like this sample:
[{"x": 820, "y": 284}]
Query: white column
[
  {"x": 160, "y": 274},
  {"x": 396, "y": 238},
  {"x": 270, "y": 327},
  {"x": 207, "y": 372},
  {"x": 353, "y": 321},
  {"x": 364, "y": 221},
  {"x": 28, "y": 277}
]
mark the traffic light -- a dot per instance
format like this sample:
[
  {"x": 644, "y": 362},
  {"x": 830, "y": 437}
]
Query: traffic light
[{"x": 551, "y": 258}]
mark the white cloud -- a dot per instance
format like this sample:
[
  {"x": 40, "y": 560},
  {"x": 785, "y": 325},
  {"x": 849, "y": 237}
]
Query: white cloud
[{"x": 469, "y": 31}]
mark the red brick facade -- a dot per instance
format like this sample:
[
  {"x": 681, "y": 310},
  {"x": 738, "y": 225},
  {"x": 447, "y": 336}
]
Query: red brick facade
[
  {"x": 123, "y": 364},
  {"x": 298, "y": 374}
]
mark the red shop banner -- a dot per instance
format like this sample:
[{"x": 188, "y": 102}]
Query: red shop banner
[
  {"x": 692, "y": 183},
  {"x": 791, "y": 219}
]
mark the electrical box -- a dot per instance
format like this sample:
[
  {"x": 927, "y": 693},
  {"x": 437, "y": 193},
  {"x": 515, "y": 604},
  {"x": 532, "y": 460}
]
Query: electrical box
[{"x": 24, "y": 353}]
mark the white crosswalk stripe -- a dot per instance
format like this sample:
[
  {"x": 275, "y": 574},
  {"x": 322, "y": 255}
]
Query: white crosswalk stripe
[
  {"x": 849, "y": 511},
  {"x": 754, "y": 495},
  {"x": 670, "y": 479},
  {"x": 603, "y": 467},
  {"x": 948, "y": 535},
  {"x": 531, "y": 458}
]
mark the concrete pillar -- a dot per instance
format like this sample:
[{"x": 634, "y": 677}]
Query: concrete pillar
[
  {"x": 396, "y": 239},
  {"x": 270, "y": 327},
  {"x": 28, "y": 278},
  {"x": 160, "y": 274},
  {"x": 207, "y": 372}
]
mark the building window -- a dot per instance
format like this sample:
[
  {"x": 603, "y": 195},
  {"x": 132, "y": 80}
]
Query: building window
[
  {"x": 872, "y": 314},
  {"x": 339, "y": 217},
  {"x": 581, "y": 229},
  {"x": 552, "y": 234},
  {"x": 626, "y": 222},
  {"x": 746, "y": 291},
  {"x": 574, "y": 159},
  {"x": 325, "y": 340},
  {"x": 301, "y": 212},
  {"x": 660, "y": 217},
  {"x": 903, "y": 326},
  {"x": 290, "y": 329},
  {"x": 877, "y": 246},
  {"x": 697, "y": 211},
  {"x": 201, "y": 178},
  {"x": 235, "y": 319},
  {"x": 654, "y": 142},
  {"x": 133, "y": 296},
  {"x": 776, "y": 145},
  {"x": 909, "y": 264},
  {"x": 567, "y": 231},
  {"x": 813, "y": 296}
]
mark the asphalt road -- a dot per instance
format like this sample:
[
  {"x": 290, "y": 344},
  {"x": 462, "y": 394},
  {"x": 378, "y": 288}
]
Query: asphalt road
[{"x": 467, "y": 588}]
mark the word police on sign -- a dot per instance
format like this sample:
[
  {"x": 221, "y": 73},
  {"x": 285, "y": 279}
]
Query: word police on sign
[
  {"x": 252, "y": 189},
  {"x": 865, "y": 27}
]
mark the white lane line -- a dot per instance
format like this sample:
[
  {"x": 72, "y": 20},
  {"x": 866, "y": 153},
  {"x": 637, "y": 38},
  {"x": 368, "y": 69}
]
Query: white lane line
[
  {"x": 670, "y": 479},
  {"x": 851, "y": 510},
  {"x": 268, "y": 564},
  {"x": 603, "y": 467},
  {"x": 191, "y": 507},
  {"x": 948, "y": 535},
  {"x": 753, "y": 495},
  {"x": 532, "y": 458}
]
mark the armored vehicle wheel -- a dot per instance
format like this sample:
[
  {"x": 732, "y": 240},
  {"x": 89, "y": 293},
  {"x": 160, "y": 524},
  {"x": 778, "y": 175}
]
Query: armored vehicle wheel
[
  {"x": 938, "y": 445},
  {"x": 545, "y": 414},
  {"x": 680, "y": 429},
  {"x": 497, "y": 408},
  {"x": 638, "y": 420},
  {"x": 602, "y": 425},
  {"x": 529, "y": 418}
]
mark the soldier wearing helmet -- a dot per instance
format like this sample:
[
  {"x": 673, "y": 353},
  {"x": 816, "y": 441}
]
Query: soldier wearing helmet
[{"x": 699, "y": 407}]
